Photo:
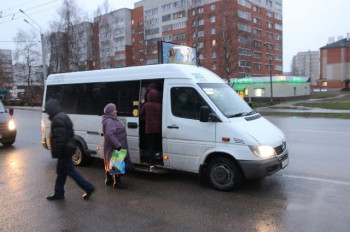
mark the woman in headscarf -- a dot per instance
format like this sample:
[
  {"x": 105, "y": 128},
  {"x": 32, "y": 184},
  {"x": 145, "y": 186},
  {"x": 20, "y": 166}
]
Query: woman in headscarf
[{"x": 115, "y": 138}]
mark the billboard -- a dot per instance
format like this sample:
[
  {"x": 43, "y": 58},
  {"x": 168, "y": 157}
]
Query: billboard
[{"x": 170, "y": 53}]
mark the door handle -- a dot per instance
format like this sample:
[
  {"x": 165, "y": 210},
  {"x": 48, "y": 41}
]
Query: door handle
[
  {"x": 173, "y": 127},
  {"x": 132, "y": 125}
]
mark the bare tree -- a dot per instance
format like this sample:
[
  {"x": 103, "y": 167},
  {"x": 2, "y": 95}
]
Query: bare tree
[
  {"x": 196, "y": 19},
  {"x": 233, "y": 35},
  {"x": 27, "y": 53},
  {"x": 65, "y": 39}
]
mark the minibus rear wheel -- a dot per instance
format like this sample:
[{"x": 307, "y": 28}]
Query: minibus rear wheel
[
  {"x": 79, "y": 158},
  {"x": 223, "y": 174}
]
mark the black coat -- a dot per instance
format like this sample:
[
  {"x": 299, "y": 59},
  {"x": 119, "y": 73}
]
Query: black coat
[{"x": 62, "y": 133}]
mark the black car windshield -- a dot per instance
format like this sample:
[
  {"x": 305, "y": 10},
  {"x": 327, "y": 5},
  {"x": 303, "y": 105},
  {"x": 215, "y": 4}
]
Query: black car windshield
[
  {"x": 2, "y": 108},
  {"x": 226, "y": 99}
]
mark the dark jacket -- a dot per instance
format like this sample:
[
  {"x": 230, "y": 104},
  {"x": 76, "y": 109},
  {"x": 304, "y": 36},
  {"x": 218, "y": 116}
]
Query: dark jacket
[
  {"x": 152, "y": 110},
  {"x": 62, "y": 133},
  {"x": 115, "y": 137}
]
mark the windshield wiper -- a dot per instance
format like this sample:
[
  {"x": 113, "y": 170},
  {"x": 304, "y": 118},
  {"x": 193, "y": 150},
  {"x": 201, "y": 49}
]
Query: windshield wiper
[
  {"x": 250, "y": 113},
  {"x": 237, "y": 115}
]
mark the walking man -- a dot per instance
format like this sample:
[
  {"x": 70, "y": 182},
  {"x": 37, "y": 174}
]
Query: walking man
[{"x": 62, "y": 148}]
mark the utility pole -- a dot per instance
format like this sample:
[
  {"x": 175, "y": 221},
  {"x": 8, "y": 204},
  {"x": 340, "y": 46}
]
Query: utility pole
[
  {"x": 43, "y": 44},
  {"x": 270, "y": 68}
]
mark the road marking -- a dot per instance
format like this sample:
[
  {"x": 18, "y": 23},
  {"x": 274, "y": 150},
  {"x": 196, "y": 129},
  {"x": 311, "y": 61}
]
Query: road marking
[
  {"x": 311, "y": 131},
  {"x": 338, "y": 182}
]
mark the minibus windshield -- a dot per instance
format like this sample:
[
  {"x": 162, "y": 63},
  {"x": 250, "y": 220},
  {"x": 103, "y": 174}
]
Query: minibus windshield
[
  {"x": 226, "y": 99},
  {"x": 2, "y": 108}
]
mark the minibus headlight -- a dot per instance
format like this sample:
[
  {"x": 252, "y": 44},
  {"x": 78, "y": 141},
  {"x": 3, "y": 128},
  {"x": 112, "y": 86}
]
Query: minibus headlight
[
  {"x": 264, "y": 152},
  {"x": 11, "y": 125}
]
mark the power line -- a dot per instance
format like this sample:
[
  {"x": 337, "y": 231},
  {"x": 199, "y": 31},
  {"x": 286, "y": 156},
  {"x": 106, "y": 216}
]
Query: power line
[
  {"x": 23, "y": 16},
  {"x": 28, "y": 9}
]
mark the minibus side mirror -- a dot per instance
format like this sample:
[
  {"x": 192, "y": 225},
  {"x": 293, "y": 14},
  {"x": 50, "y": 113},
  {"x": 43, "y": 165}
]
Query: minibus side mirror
[
  {"x": 11, "y": 111},
  {"x": 204, "y": 114}
]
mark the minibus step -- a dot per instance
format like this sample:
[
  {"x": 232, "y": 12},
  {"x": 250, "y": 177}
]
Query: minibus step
[{"x": 156, "y": 170}]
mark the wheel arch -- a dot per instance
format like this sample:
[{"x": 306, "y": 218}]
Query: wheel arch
[
  {"x": 213, "y": 155},
  {"x": 82, "y": 142}
]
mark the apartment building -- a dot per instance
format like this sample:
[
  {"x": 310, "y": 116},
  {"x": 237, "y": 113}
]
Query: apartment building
[
  {"x": 307, "y": 64},
  {"x": 6, "y": 72},
  {"x": 233, "y": 38},
  {"x": 335, "y": 65},
  {"x": 113, "y": 39}
]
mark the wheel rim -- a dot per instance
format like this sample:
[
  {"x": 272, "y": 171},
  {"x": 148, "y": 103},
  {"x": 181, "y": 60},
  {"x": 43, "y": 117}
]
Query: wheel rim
[
  {"x": 222, "y": 174},
  {"x": 77, "y": 156}
]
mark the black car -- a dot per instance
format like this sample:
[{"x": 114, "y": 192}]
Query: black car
[{"x": 7, "y": 126}]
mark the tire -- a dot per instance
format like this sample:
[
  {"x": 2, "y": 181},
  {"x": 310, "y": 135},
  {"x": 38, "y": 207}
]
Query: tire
[
  {"x": 223, "y": 174},
  {"x": 7, "y": 144},
  {"x": 79, "y": 158}
]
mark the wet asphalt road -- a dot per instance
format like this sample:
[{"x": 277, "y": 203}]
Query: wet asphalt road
[{"x": 311, "y": 194}]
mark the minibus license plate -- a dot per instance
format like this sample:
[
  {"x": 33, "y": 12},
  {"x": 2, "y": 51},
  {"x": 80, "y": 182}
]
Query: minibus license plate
[{"x": 285, "y": 163}]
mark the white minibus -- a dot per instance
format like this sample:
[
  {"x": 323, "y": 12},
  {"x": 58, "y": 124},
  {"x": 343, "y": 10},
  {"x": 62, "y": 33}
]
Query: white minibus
[{"x": 206, "y": 127}]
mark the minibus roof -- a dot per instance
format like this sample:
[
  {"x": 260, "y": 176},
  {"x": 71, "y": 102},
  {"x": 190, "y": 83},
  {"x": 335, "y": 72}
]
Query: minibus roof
[{"x": 160, "y": 71}]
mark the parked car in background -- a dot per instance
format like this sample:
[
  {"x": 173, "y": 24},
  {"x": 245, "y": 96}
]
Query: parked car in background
[{"x": 7, "y": 126}]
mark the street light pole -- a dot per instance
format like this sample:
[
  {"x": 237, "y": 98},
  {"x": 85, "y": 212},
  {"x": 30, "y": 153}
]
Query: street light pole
[
  {"x": 43, "y": 44},
  {"x": 270, "y": 68}
]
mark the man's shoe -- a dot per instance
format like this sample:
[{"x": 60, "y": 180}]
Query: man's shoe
[
  {"x": 55, "y": 197},
  {"x": 108, "y": 182},
  {"x": 87, "y": 194}
]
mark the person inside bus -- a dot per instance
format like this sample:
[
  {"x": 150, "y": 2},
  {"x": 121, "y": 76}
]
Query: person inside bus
[
  {"x": 63, "y": 147},
  {"x": 152, "y": 112},
  {"x": 115, "y": 138}
]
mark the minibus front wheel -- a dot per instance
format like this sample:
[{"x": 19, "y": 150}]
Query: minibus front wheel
[
  {"x": 223, "y": 174},
  {"x": 79, "y": 158}
]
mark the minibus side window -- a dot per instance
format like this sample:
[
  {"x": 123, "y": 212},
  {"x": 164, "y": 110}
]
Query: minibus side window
[{"x": 186, "y": 103}]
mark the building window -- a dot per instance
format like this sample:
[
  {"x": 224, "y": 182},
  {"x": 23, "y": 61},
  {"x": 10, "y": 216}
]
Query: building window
[
  {"x": 166, "y": 7},
  {"x": 200, "y": 10},
  {"x": 244, "y": 15},
  {"x": 212, "y": 19},
  {"x": 278, "y": 16},
  {"x": 179, "y": 25},
  {"x": 244, "y": 27},
  {"x": 180, "y": 14},
  {"x": 257, "y": 20},
  {"x": 269, "y": 14},
  {"x": 213, "y": 55},
  {"x": 278, "y": 37},
  {"x": 257, "y": 55},
  {"x": 260, "y": 92},
  {"x": 278, "y": 27},
  {"x": 269, "y": 3},
  {"x": 269, "y": 24},
  {"x": 212, "y": 7},
  {"x": 257, "y": 9},
  {"x": 166, "y": 28},
  {"x": 179, "y": 36},
  {"x": 278, "y": 67},
  {"x": 257, "y": 43},
  {"x": 257, "y": 66},
  {"x": 257, "y": 32},
  {"x": 244, "y": 3},
  {"x": 278, "y": 47},
  {"x": 201, "y": 56},
  {"x": 245, "y": 52},
  {"x": 213, "y": 31},
  {"x": 213, "y": 66},
  {"x": 244, "y": 39},
  {"x": 213, "y": 42},
  {"x": 119, "y": 57},
  {"x": 166, "y": 18}
]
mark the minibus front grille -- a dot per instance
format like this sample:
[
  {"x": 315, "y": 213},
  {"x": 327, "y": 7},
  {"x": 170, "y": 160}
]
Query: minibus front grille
[
  {"x": 280, "y": 149},
  {"x": 2, "y": 126}
]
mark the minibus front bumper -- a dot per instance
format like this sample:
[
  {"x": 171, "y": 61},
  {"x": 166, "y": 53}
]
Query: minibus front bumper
[{"x": 261, "y": 168}]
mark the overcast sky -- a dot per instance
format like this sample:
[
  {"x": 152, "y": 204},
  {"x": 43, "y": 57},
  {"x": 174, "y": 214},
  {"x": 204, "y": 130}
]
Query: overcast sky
[{"x": 307, "y": 24}]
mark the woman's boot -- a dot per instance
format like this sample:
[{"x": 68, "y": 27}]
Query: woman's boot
[
  {"x": 118, "y": 182},
  {"x": 109, "y": 179}
]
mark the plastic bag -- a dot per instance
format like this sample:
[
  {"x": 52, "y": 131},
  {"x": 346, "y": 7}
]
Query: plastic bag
[{"x": 117, "y": 163}]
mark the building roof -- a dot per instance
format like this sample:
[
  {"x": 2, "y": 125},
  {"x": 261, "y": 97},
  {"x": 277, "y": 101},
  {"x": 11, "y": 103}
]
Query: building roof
[{"x": 340, "y": 43}]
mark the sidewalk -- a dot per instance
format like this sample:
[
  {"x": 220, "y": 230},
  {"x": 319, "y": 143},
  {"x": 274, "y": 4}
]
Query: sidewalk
[{"x": 297, "y": 109}]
